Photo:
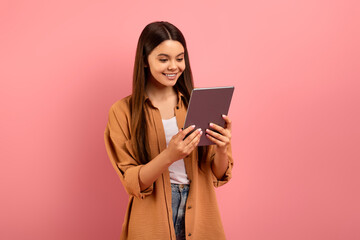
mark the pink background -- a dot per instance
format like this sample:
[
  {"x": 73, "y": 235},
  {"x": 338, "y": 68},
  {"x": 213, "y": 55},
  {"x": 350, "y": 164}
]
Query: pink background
[{"x": 296, "y": 114}]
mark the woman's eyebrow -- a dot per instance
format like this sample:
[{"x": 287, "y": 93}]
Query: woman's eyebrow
[{"x": 166, "y": 55}]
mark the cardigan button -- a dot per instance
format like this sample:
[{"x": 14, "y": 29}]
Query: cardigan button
[
  {"x": 189, "y": 207},
  {"x": 189, "y": 234},
  {"x": 177, "y": 107}
]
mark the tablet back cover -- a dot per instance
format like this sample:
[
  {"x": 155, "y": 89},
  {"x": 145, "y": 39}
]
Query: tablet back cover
[{"x": 207, "y": 105}]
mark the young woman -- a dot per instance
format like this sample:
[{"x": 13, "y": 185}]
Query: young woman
[{"x": 169, "y": 179}]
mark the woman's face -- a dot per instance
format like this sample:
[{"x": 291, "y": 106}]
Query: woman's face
[{"x": 166, "y": 63}]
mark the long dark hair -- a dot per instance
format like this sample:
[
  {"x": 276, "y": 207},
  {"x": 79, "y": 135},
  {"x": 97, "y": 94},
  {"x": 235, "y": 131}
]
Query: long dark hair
[{"x": 153, "y": 35}]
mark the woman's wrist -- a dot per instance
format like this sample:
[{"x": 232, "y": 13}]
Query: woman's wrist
[
  {"x": 219, "y": 164},
  {"x": 221, "y": 150},
  {"x": 168, "y": 157}
]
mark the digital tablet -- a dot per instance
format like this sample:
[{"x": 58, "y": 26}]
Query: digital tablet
[{"x": 207, "y": 105}]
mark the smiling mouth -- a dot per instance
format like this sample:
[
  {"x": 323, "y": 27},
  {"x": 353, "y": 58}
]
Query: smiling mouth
[{"x": 170, "y": 75}]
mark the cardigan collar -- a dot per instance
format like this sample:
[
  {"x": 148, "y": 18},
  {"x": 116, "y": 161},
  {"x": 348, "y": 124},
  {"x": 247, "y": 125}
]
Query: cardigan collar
[{"x": 180, "y": 100}]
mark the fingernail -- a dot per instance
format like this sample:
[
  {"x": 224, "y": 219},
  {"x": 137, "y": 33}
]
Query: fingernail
[
  {"x": 211, "y": 124},
  {"x": 223, "y": 115},
  {"x": 201, "y": 132},
  {"x": 199, "y": 129},
  {"x": 192, "y": 126}
]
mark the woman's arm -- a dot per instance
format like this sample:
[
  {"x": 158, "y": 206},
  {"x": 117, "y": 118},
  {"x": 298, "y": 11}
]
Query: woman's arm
[
  {"x": 222, "y": 140},
  {"x": 176, "y": 150}
]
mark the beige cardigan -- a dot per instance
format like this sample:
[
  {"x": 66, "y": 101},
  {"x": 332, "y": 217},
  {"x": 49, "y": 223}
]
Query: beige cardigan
[{"x": 149, "y": 213}]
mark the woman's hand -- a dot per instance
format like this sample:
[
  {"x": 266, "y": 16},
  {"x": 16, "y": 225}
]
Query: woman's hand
[
  {"x": 179, "y": 147},
  {"x": 221, "y": 136}
]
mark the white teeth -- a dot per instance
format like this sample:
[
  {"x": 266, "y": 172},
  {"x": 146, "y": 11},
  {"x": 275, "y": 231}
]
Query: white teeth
[{"x": 170, "y": 75}]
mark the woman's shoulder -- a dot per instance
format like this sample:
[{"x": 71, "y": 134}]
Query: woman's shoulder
[
  {"x": 122, "y": 105},
  {"x": 120, "y": 114},
  {"x": 119, "y": 119}
]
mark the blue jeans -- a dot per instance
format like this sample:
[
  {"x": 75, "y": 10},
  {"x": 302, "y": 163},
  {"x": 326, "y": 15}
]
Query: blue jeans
[{"x": 179, "y": 193}]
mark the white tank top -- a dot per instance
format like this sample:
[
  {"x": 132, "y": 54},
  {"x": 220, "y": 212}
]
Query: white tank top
[{"x": 177, "y": 169}]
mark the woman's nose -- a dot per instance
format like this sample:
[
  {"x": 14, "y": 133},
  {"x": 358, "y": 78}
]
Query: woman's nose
[{"x": 172, "y": 65}]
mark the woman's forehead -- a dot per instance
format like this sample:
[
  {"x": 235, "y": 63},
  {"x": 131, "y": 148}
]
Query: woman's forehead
[{"x": 169, "y": 47}]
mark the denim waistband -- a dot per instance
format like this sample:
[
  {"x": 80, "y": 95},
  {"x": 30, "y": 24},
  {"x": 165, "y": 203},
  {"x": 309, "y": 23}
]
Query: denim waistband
[{"x": 180, "y": 187}]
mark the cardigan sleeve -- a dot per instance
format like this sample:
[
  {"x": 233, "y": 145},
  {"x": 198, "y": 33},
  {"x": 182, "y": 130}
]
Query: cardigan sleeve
[
  {"x": 120, "y": 151},
  {"x": 228, "y": 173}
]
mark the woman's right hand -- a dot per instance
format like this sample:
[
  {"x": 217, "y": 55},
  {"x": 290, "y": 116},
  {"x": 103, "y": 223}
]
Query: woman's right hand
[{"x": 179, "y": 147}]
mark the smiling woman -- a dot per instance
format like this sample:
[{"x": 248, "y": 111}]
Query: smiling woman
[
  {"x": 169, "y": 179},
  {"x": 166, "y": 59},
  {"x": 166, "y": 63}
]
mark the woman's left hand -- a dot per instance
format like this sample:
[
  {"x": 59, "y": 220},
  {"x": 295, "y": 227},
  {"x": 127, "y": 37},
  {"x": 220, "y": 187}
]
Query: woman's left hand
[{"x": 221, "y": 136}]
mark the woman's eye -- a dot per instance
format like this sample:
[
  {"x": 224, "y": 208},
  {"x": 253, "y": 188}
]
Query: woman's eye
[
  {"x": 180, "y": 59},
  {"x": 162, "y": 60}
]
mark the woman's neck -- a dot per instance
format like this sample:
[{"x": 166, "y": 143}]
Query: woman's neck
[
  {"x": 157, "y": 93},
  {"x": 163, "y": 98}
]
